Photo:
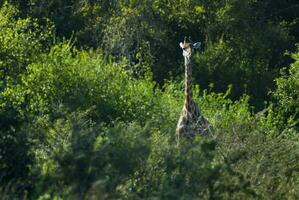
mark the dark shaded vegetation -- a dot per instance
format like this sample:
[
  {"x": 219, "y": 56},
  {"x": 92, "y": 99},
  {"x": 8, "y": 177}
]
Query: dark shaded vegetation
[{"x": 90, "y": 93}]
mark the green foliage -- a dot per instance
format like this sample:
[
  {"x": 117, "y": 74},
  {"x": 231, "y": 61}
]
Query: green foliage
[
  {"x": 77, "y": 123},
  {"x": 287, "y": 93},
  {"x": 127, "y": 161},
  {"x": 21, "y": 41},
  {"x": 252, "y": 35},
  {"x": 79, "y": 79}
]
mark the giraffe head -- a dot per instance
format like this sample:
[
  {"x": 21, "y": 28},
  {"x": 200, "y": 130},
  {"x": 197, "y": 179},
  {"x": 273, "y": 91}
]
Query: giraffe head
[{"x": 188, "y": 47}]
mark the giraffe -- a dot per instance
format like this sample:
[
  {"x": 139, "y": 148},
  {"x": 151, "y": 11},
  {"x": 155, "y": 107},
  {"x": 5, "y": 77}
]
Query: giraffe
[{"x": 191, "y": 120}]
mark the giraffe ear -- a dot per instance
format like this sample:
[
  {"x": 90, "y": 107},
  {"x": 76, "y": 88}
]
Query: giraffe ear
[
  {"x": 196, "y": 45},
  {"x": 181, "y": 45}
]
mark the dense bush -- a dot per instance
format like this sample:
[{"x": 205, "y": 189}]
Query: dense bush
[
  {"x": 287, "y": 93},
  {"x": 21, "y": 41},
  {"x": 252, "y": 36},
  {"x": 80, "y": 124}
]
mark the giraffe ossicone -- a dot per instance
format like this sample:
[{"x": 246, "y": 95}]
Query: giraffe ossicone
[{"x": 191, "y": 121}]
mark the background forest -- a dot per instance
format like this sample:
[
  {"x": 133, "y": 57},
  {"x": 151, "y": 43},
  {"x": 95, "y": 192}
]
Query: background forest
[{"x": 91, "y": 91}]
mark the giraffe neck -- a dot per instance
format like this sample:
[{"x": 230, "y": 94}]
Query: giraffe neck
[{"x": 188, "y": 83}]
